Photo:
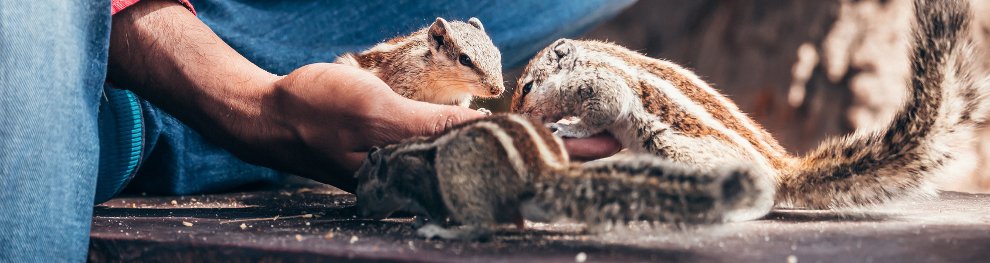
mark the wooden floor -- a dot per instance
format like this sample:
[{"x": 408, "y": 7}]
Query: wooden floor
[{"x": 309, "y": 222}]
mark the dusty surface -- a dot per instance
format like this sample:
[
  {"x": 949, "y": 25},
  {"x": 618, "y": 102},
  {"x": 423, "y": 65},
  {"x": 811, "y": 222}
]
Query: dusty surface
[{"x": 312, "y": 222}]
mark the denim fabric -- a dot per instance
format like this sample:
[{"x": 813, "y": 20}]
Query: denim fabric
[
  {"x": 53, "y": 57},
  {"x": 182, "y": 162},
  {"x": 281, "y": 36}
]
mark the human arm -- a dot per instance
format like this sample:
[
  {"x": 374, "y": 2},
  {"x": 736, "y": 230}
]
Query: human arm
[{"x": 316, "y": 121}]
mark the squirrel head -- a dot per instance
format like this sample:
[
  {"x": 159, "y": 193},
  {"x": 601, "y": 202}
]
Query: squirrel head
[
  {"x": 373, "y": 186},
  {"x": 393, "y": 178},
  {"x": 539, "y": 92},
  {"x": 471, "y": 59}
]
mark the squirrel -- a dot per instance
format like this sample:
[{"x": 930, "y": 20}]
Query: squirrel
[
  {"x": 657, "y": 107},
  {"x": 445, "y": 63},
  {"x": 505, "y": 168}
]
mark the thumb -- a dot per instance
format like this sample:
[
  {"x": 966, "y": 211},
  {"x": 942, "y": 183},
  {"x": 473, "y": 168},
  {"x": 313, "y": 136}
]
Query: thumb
[
  {"x": 435, "y": 119},
  {"x": 410, "y": 118}
]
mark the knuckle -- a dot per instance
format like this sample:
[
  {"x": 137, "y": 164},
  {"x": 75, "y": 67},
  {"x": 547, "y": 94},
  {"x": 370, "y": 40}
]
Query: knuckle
[{"x": 446, "y": 119}]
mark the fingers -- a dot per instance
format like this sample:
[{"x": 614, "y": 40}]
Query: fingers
[
  {"x": 590, "y": 148},
  {"x": 397, "y": 118},
  {"x": 352, "y": 160},
  {"x": 426, "y": 119},
  {"x": 435, "y": 119}
]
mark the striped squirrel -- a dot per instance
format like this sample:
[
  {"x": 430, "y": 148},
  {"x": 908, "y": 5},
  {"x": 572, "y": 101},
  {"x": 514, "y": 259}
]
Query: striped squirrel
[
  {"x": 445, "y": 63},
  {"x": 506, "y": 168},
  {"x": 655, "y": 106}
]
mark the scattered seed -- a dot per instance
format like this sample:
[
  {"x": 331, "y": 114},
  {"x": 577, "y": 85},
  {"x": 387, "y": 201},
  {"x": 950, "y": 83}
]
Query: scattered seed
[
  {"x": 174, "y": 202},
  {"x": 187, "y": 223},
  {"x": 581, "y": 257},
  {"x": 243, "y": 226},
  {"x": 354, "y": 239},
  {"x": 299, "y": 237}
]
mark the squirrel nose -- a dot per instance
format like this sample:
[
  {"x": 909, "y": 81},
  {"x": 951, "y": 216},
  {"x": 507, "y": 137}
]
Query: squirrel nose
[{"x": 497, "y": 89}]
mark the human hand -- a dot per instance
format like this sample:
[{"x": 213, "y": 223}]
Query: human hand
[
  {"x": 316, "y": 122},
  {"x": 594, "y": 147},
  {"x": 338, "y": 112},
  {"x": 344, "y": 111}
]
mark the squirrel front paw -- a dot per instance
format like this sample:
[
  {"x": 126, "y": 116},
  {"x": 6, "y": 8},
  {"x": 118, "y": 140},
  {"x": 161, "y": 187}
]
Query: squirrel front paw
[{"x": 572, "y": 130}]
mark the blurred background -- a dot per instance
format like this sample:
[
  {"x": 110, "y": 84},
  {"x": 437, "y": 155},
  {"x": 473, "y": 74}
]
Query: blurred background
[{"x": 805, "y": 69}]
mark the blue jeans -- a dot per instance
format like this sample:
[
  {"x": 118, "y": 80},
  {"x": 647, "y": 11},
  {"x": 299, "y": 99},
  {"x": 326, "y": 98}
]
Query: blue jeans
[{"x": 58, "y": 134}]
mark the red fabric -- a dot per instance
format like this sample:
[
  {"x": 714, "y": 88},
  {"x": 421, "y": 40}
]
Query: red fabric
[{"x": 118, "y": 5}]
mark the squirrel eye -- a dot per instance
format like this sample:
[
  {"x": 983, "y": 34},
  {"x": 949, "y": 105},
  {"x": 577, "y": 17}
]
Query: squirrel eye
[
  {"x": 465, "y": 60},
  {"x": 527, "y": 88}
]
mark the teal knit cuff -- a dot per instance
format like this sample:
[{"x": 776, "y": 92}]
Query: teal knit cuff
[{"x": 121, "y": 141}]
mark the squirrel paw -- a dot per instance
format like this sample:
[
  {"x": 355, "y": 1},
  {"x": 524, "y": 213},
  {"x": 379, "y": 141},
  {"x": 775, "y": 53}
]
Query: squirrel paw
[
  {"x": 484, "y": 111},
  {"x": 469, "y": 233},
  {"x": 569, "y": 130}
]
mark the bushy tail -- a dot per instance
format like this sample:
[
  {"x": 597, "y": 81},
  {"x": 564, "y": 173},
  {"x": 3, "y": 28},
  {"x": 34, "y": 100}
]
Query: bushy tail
[
  {"x": 645, "y": 187},
  {"x": 944, "y": 105}
]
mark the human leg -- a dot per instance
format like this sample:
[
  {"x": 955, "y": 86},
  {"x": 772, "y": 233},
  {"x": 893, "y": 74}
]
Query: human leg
[
  {"x": 280, "y": 36},
  {"x": 52, "y": 68}
]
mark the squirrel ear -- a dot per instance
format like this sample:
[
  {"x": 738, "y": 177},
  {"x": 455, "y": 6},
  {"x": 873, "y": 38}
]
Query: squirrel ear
[
  {"x": 476, "y": 23},
  {"x": 438, "y": 32},
  {"x": 372, "y": 151},
  {"x": 563, "y": 52},
  {"x": 562, "y": 48}
]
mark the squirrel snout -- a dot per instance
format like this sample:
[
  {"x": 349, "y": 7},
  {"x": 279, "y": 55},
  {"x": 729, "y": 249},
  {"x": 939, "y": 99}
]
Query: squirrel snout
[
  {"x": 489, "y": 90},
  {"x": 497, "y": 89},
  {"x": 494, "y": 83}
]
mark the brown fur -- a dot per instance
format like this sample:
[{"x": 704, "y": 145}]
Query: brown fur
[
  {"x": 872, "y": 168},
  {"x": 419, "y": 67},
  {"x": 719, "y": 109},
  {"x": 471, "y": 174},
  {"x": 868, "y": 167},
  {"x": 658, "y": 104}
]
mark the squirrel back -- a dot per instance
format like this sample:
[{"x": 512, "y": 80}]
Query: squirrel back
[
  {"x": 449, "y": 62},
  {"x": 657, "y": 107},
  {"x": 643, "y": 187},
  {"x": 504, "y": 168}
]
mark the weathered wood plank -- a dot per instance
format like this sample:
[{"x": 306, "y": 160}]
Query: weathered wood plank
[{"x": 316, "y": 222}]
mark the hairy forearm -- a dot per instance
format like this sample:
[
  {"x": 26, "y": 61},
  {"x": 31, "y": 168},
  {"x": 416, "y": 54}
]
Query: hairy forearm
[
  {"x": 166, "y": 55},
  {"x": 317, "y": 121}
]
